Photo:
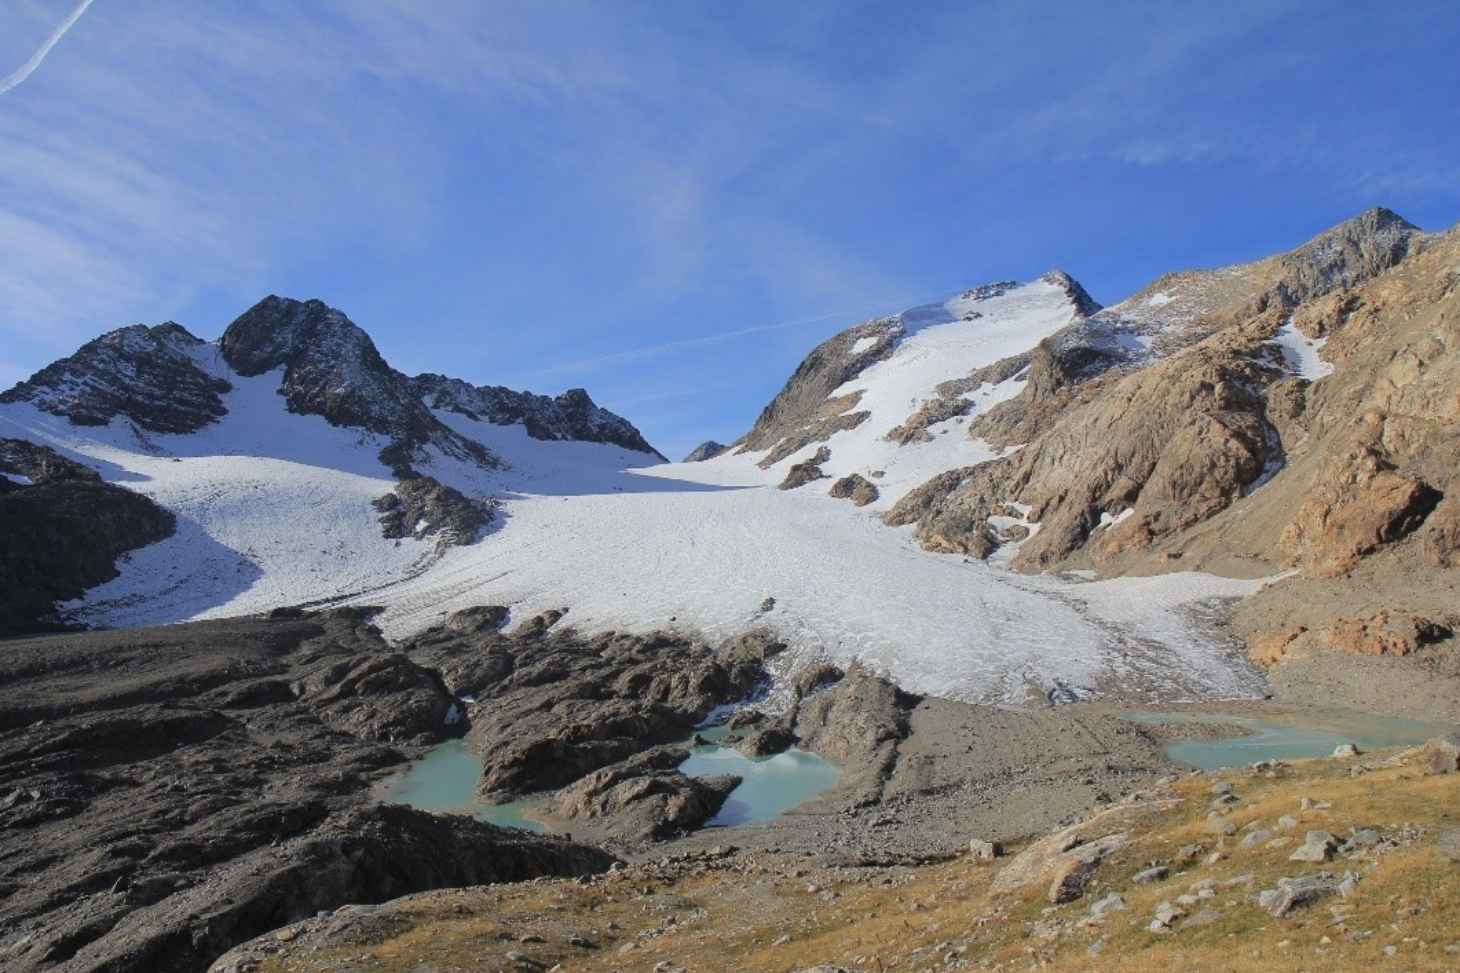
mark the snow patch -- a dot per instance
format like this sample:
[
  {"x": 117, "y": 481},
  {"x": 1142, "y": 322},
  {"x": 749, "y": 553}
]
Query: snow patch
[
  {"x": 1106, "y": 520},
  {"x": 1301, "y": 353},
  {"x": 1159, "y": 299},
  {"x": 16, "y": 478},
  {"x": 864, "y": 344}
]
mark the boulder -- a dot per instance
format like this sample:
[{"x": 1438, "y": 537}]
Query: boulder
[
  {"x": 1441, "y": 755},
  {"x": 856, "y": 488}
]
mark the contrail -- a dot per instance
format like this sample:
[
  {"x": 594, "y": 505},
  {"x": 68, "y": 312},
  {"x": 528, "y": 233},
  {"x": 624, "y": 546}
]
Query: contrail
[{"x": 28, "y": 68}]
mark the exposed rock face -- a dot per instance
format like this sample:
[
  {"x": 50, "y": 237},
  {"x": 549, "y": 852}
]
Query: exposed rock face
[
  {"x": 1359, "y": 503},
  {"x": 1175, "y": 442},
  {"x": 421, "y": 506},
  {"x": 932, "y": 412},
  {"x": 200, "y": 784},
  {"x": 1384, "y": 633},
  {"x": 708, "y": 449},
  {"x": 332, "y": 369},
  {"x": 806, "y": 471},
  {"x": 563, "y": 706},
  {"x": 802, "y": 412},
  {"x": 856, "y": 488},
  {"x": 571, "y": 415},
  {"x": 63, "y": 533},
  {"x": 41, "y": 464},
  {"x": 647, "y": 799},
  {"x": 148, "y": 375}
]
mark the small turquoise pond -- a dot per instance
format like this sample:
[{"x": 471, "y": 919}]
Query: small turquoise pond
[
  {"x": 770, "y": 786},
  {"x": 1305, "y": 736},
  {"x": 446, "y": 778}
]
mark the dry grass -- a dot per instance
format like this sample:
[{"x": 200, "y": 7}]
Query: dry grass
[{"x": 764, "y": 916}]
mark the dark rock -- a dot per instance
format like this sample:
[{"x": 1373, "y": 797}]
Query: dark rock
[
  {"x": 805, "y": 472},
  {"x": 147, "y": 374},
  {"x": 480, "y": 618},
  {"x": 572, "y": 415},
  {"x": 174, "y": 791},
  {"x": 708, "y": 449},
  {"x": 63, "y": 534},
  {"x": 421, "y": 506},
  {"x": 332, "y": 369},
  {"x": 855, "y": 488}
]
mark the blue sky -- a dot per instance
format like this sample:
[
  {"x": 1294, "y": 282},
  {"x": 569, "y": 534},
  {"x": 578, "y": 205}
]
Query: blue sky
[{"x": 669, "y": 203}]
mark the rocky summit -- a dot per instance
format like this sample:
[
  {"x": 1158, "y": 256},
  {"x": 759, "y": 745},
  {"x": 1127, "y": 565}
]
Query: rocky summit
[{"x": 1014, "y": 629}]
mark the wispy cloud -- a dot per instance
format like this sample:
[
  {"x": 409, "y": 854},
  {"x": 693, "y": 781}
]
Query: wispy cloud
[
  {"x": 28, "y": 68},
  {"x": 647, "y": 352}
]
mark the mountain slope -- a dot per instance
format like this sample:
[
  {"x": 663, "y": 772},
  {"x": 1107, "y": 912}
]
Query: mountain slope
[{"x": 288, "y": 453}]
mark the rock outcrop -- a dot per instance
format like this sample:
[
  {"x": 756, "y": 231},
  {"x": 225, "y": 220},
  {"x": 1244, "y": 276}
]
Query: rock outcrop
[
  {"x": 62, "y": 533},
  {"x": 571, "y": 415},
  {"x": 856, "y": 488},
  {"x": 563, "y": 706},
  {"x": 805, "y": 471},
  {"x": 1177, "y": 440},
  {"x": 422, "y": 506},
  {"x": 708, "y": 449},
  {"x": 331, "y": 368},
  {"x": 172, "y": 792},
  {"x": 150, "y": 376}
]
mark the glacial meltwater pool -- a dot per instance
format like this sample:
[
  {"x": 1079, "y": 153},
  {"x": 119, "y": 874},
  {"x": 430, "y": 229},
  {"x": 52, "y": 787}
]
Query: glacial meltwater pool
[
  {"x": 446, "y": 778},
  {"x": 1288, "y": 736},
  {"x": 769, "y": 786}
]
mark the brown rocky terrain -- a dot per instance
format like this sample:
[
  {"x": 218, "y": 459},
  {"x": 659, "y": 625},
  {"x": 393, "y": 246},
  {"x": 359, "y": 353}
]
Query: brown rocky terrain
[
  {"x": 1216, "y": 457},
  {"x": 1343, "y": 864}
]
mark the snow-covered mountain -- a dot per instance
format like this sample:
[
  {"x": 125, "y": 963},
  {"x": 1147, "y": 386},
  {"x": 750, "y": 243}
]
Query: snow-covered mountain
[
  {"x": 872, "y": 512},
  {"x": 303, "y": 470}
]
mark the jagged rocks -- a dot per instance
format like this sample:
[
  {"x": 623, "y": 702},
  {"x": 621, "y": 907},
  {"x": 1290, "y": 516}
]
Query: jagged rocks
[
  {"x": 63, "y": 534},
  {"x": 571, "y": 415},
  {"x": 421, "y": 506},
  {"x": 332, "y": 369},
  {"x": 40, "y": 464},
  {"x": 379, "y": 698},
  {"x": 150, "y": 375},
  {"x": 856, "y": 488},
  {"x": 803, "y": 411},
  {"x": 708, "y": 449},
  {"x": 915, "y": 428},
  {"x": 806, "y": 471}
]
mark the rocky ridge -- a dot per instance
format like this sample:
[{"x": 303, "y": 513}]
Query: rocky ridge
[{"x": 569, "y": 416}]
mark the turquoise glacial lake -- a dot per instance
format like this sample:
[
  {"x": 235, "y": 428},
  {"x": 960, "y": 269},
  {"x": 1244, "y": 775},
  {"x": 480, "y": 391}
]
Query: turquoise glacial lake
[
  {"x": 446, "y": 778},
  {"x": 1290, "y": 737}
]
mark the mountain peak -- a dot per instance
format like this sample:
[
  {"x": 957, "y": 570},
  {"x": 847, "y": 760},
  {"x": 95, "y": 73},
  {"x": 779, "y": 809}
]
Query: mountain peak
[
  {"x": 1079, "y": 297},
  {"x": 144, "y": 373}
]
